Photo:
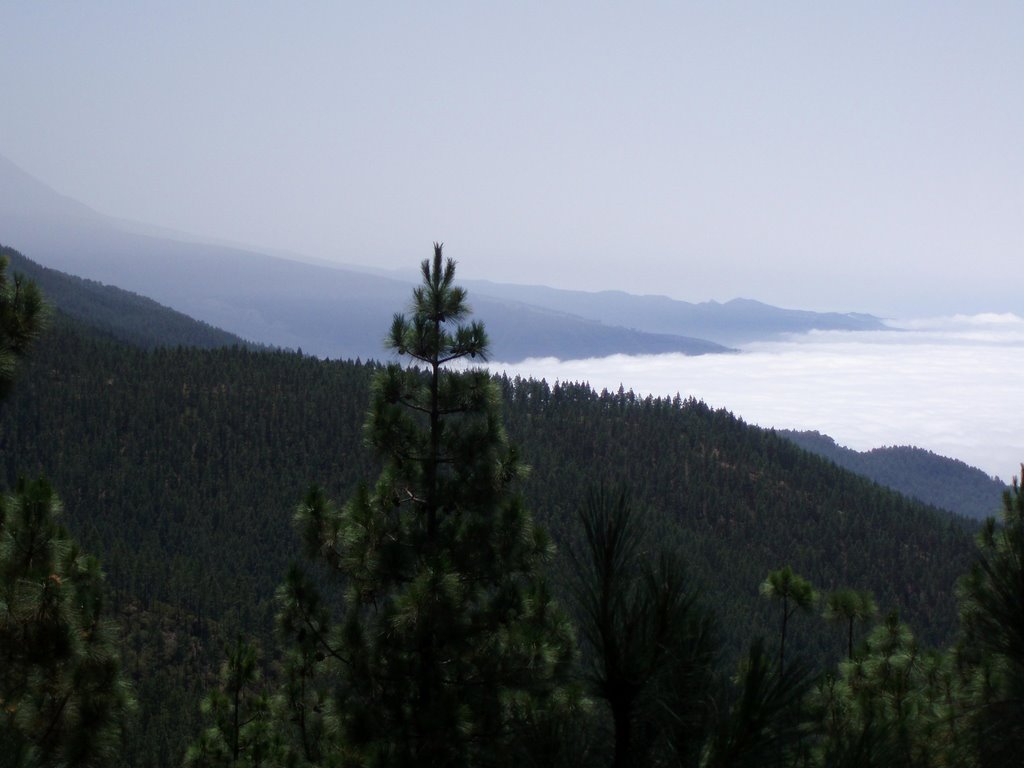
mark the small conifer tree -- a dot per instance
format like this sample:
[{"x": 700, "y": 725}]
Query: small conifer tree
[
  {"x": 650, "y": 642},
  {"x": 241, "y": 731},
  {"x": 847, "y": 606},
  {"x": 795, "y": 593}
]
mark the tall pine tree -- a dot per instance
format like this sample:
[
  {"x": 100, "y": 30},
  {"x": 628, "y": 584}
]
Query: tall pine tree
[
  {"x": 64, "y": 700},
  {"x": 796, "y": 593},
  {"x": 449, "y": 640}
]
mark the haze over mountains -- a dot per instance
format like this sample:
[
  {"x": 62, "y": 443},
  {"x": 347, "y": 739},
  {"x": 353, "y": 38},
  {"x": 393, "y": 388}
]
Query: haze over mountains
[{"x": 340, "y": 312}]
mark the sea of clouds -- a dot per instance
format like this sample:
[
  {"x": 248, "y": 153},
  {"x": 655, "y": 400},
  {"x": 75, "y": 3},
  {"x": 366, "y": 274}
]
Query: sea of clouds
[{"x": 952, "y": 385}]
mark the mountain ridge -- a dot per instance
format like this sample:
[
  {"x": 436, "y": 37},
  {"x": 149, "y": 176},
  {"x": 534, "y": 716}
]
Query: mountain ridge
[
  {"x": 915, "y": 472},
  {"x": 330, "y": 311},
  {"x": 115, "y": 313},
  {"x": 735, "y": 321}
]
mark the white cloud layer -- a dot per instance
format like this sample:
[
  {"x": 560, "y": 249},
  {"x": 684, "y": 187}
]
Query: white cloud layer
[{"x": 950, "y": 385}]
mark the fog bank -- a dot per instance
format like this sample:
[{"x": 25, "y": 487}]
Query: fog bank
[{"x": 949, "y": 385}]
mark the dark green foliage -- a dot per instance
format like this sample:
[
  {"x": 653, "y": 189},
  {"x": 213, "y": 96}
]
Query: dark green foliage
[
  {"x": 304, "y": 695},
  {"x": 172, "y": 659},
  {"x": 171, "y": 457},
  {"x": 739, "y": 501},
  {"x": 894, "y": 703},
  {"x": 241, "y": 731},
  {"x": 63, "y": 698},
  {"x": 649, "y": 643}
]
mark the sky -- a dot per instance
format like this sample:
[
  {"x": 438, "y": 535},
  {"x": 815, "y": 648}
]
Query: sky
[
  {"x": 831, "y": 156},
  {"x": 948, "y": 385}
]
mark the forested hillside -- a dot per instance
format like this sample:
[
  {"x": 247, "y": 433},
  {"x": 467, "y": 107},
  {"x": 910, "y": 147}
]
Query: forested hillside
[
  {"x": 170, "y": 458},
  {"x": 115, "y": 313},
  {"x": 181, "y": 467},
  {"x": 914, "y": 472}
]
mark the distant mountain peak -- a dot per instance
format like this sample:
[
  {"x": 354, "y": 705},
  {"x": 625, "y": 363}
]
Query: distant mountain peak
[{"x": 22, "y": 194}]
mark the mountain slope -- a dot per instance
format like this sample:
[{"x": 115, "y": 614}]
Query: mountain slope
[
  {"x": 946, "y": 483},
  {"x": 116, "y": 313},
  {"x": 340, "y": 311},
  {"x": 326, "y": 311},
  {"x": 180, "y": 467}
]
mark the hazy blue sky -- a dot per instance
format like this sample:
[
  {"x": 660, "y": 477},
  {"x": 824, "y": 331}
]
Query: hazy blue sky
[{"x": 851, "y": 156}]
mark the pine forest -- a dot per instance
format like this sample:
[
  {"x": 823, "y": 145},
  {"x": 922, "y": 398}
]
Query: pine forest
[{"x": 217, "y": 554}]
